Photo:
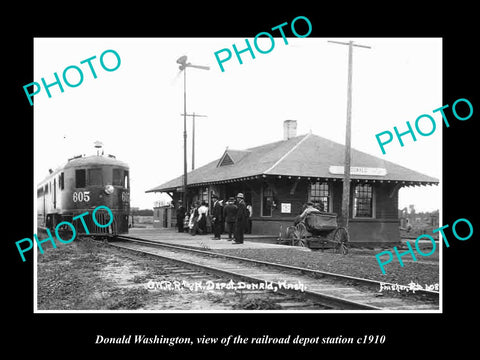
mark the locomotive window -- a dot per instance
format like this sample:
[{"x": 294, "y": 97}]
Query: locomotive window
[
  {"x": 120, "y": 177},
  {"x": 61, "y": 180},
  {"x": 80, "y": 178},
  {"x": 125, "y": 179},
  {"x": 95, "y": 177}
]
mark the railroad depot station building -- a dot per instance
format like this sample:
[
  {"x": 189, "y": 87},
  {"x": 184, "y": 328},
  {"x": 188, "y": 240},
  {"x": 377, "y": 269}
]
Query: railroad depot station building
[{"x": 277, "y": 179}]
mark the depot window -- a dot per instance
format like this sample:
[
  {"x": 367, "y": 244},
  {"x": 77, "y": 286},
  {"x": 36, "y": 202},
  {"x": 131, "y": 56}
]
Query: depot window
[
  {"x": 267, "y": 200},
  {"x": 95, "y": 177},
  {"x": 363, "y": 201},
  {"x": 320, "y": 195},
  {"x": 203, "y": 194}
]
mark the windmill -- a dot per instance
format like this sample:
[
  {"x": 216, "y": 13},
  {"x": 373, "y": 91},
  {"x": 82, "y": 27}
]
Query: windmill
[{"x": 182, "y": 60}]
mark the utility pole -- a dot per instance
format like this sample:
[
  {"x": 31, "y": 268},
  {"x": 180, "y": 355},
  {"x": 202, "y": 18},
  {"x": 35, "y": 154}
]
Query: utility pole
[
  {"x": 346, "y": 168},
  {"x": 193, "y": 135}
]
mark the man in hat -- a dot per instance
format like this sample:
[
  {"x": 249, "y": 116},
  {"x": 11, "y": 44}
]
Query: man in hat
[
  {"x": 180, "y": 216},
  {"x": 230, "y": 216},
  {"x": 309, "y": 208},
  {"x": 241, "y": 219},
  {"x": 217, "y": 217}
]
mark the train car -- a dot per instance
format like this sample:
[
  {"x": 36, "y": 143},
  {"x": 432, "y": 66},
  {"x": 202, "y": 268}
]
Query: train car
[{"x": 81, "y": 185}]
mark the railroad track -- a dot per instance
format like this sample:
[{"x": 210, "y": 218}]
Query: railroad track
[
  {"x": 327, "y": 290},
  {"x": 194, "y": 279}
]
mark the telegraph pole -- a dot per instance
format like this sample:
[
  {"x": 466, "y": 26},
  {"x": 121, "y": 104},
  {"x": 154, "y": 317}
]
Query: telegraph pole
[
  {"x": 193, "y": 135},
  {"x": 346, "y": 168}
]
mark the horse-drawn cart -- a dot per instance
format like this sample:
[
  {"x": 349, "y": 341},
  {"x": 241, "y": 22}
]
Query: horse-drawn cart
[{"x": 319, "y": 230}]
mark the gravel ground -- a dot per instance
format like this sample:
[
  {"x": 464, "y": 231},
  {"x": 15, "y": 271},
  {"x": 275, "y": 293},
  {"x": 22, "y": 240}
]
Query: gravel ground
[
  {"x": 358, "y": 262},
  {"x": 89, "y": 275},
  {"x": 70, "y": 278}
]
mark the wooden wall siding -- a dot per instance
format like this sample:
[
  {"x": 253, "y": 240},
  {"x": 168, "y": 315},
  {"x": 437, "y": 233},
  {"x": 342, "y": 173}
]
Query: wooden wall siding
[
  {"x": 384, "y": 227},
  {"x": 386, "y": 198},
  {"x": 374, "y": 231}
]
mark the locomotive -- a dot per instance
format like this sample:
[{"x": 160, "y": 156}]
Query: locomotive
[{"x": 81, "y": 185}]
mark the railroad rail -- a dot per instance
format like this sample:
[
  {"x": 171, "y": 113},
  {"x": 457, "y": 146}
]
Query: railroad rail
[
  {"x": 198, "y": 278},
  {"x": 334, "y": 291}
]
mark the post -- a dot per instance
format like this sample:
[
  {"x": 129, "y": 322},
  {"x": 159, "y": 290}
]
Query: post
[
  {"x": 193, "y": 115},
  {"x": 348, "y": 131},
  {"x": 185, "y": 137},
  {"x": 193, "y": 141}
]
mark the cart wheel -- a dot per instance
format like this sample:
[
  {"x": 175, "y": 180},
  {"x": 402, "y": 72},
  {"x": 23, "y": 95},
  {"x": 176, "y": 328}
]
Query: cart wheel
[
  {"x": 340, "y": 240},
  {"x": 289, "y": 232},
  {"x": 303, "y": 243},
  {"x": 299, "y": 235},
  {"x": 289, "y": 235}
]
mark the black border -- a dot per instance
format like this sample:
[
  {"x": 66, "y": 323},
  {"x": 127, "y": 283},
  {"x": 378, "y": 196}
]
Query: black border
[{"x": 427, "y": 333}]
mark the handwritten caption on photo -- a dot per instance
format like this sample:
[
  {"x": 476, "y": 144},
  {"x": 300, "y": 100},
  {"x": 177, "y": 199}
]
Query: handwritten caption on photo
[
  {"x": 410, "y": 287},
  {"x": 230, "y": 285}
]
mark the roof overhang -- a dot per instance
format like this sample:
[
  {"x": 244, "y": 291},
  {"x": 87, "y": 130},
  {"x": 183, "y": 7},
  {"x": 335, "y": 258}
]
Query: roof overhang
[{"x": 400, "y": 183}]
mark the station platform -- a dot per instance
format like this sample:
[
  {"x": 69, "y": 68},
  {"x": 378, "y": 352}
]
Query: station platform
[{"x": 172, "y": 236}]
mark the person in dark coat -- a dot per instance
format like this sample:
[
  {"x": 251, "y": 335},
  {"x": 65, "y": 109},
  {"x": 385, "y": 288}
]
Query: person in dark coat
[
  {"x": 230, "y": 216},
  {"x": 241, "y": 219},
  {"x": 222, "y": 227},
  {"x": 180, "y": 216},
  {"x": 217, "y": 217}
]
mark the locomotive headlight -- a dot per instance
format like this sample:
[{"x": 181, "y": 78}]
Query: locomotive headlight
[{"x": 109, "y": 189}]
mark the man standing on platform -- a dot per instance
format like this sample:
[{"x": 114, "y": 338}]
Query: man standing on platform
[
  {"x": 241, "y": 219},
  {"x": 230, "y": 216},
  {"x": 217, "y": 217},
  {"x": 180, "y": 216}
]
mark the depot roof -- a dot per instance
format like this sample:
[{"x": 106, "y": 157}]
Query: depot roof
[{"x": 305, "y": 156}]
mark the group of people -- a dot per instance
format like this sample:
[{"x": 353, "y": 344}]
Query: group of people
[{"x": 232, "y": 216}]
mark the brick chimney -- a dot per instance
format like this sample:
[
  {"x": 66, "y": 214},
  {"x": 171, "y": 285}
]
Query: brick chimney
[{"x": 289, "y": 129}]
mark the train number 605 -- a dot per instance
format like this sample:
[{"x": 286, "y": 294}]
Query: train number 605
[{"x": 81, "y": 196}]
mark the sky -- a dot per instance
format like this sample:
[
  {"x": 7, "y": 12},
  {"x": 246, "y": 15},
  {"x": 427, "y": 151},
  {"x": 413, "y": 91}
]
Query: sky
[{"x": 136, "y": 110}]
